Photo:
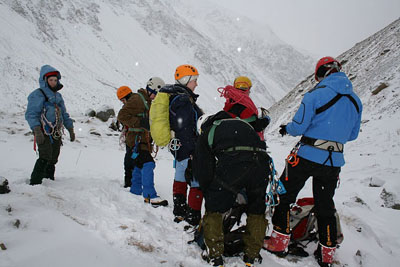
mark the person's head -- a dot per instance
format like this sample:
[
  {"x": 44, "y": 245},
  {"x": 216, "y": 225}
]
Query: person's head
[
  {"x": 51, "y": 79},
  {"x": 326, "y": 66},
  {"x": 123, "y": 93},
  {"x": 154, "y": 84},
  {"x": 187, "y": 75},
  {"x": 200, "y": 121},
  {"x": 242, "y": 83}
]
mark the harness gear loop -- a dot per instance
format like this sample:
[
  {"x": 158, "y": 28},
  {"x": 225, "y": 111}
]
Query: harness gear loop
[
  {"x": 135, "y": 152},
  {"x": 292, "y": 158},
  {"x": 274, "y": 189}
]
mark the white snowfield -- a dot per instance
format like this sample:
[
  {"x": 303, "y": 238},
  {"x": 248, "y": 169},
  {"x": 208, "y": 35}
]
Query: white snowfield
[{"x": 85, "y": 218}]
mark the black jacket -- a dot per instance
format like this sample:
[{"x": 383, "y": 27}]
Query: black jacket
[
  {"x": 209, "y": 162},
  {"x": 183, "y": 115}
]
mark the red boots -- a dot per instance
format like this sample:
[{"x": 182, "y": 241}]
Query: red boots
[
  {"x": 277, "y": 243},
  {"x": 324, "y": 255}
]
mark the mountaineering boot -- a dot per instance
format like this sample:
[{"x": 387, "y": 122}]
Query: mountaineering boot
[
  {"x": 156, "y": 202},
  {"x": 215, "y": 261},
  {"x": 277, "y": 243},
  {"x": 324, "y": 255},
  {"x": 39, "y": 172},
  {"x": 127, "y": 181},
  {"x": 50, "y": 170},
  {"x": 192, "y": 216},
  {"x": 180, "y": 207},
  {"x": 248, "y": 262},
  {"x": 195, "y": 199}
]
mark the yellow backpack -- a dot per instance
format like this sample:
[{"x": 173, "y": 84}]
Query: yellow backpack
[{"x": 159, "y": 119}]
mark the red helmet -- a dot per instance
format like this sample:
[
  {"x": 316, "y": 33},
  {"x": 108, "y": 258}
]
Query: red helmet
[{"x": 329, "y": 65}]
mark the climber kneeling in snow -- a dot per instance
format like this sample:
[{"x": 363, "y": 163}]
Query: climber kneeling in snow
[
  {"x": 135, "y": 115},
  {"x": 46, "y": 115},
  {"x": 230, "y": 157},
  {"x": 328, "y": 117}
]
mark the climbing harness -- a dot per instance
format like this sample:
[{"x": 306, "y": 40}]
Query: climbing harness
[
  {"x": 135, "y": 152},
  {"x": 292, "y": 159},
  {"x": 52, "y": 130}
]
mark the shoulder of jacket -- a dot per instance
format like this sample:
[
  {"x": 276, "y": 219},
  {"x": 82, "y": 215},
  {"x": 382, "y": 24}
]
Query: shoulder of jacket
[{"x": 318, "y": 86}]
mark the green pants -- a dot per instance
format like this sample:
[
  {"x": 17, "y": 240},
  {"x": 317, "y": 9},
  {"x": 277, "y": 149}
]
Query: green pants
[
  {"x": 48, "y": 157},
  {"x": 256, "y": 225}
]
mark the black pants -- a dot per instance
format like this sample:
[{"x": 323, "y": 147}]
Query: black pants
[
  {"x": 49, "y": 151},
  {"x": 234, "y": 172},
  {"x": 129, "y": 165},
  {"x": 325, "y": 179}
]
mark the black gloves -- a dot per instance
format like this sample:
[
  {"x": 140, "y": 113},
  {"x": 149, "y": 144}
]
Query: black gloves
[
  {"x": 283, "y": 131},
  {"x": 189, "y": 172},
  {"x": 38, "y": 133},
  {"x": 71, "y": 134},
  {"x": 145, "y": 124}
]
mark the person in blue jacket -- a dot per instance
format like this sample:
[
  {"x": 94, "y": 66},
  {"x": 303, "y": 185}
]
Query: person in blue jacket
[
  {"x": 328, "y": 117},
  {"x": 183, "y": 115},
  {"x": 47, "y": 116}
]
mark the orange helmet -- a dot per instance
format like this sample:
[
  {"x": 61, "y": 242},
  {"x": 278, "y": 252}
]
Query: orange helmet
[
  {"x": 123, "y": 91},
  {"x": 242, "y": 83},
  {"x": 187, "y": 71}
]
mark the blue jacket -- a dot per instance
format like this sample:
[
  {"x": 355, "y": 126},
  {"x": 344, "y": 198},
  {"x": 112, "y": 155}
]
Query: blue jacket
[
  {"x": 37, "y": 102},
  {"x": 340, "y": 123},
  {"x": 183, "y": 115}
]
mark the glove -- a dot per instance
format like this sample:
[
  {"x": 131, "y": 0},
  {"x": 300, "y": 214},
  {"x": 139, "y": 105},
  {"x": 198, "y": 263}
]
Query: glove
[
  {"x": 283, "y": 131},
  {"x": 71, "y": 134},
  {"x": 260, "y": 123},
  {"x": 262, "y": 113},
  {"x": 38, "y": 133},
  {"x": 189, "y": 172},
  {"x": 144, "y": 123}
]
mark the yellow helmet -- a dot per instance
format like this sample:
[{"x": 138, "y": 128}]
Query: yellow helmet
[{"x": 242, "y": 83}]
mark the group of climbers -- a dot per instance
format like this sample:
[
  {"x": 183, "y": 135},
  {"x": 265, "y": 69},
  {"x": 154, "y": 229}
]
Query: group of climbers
[{"x": 222, "y": 154}]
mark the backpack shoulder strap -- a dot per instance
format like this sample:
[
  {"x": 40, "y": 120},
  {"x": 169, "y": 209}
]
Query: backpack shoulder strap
[
  {"x": 217, "y": 123},
  {"x": 354, "y": 102},
  {"x": 144, "y": 100},
  {"x": 45, "y": 96},
  {"x": 334, "y": 100},
  {"x": 212, "y": 132},
  {"x": 329, "y": 104}
]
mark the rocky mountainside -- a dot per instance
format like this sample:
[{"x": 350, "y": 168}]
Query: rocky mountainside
[
  {"x": 101, "y": 45},
  {"x": 373, "y": 67}
]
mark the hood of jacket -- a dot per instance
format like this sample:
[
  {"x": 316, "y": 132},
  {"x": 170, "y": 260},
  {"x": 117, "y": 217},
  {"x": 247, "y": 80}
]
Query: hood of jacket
[
  {"x": 42, "y": 81},
  {"x": 338, "y": 82}
]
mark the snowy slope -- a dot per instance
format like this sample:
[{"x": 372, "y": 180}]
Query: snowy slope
[
  {"x": 85, "y": 217},
  {"x": 101, "y": 45}
]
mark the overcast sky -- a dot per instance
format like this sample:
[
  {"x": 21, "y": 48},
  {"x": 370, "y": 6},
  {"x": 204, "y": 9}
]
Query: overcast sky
[{"x": 321, "y": 27}]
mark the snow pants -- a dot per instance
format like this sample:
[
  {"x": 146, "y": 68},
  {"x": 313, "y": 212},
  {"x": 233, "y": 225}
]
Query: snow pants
[
  {"x": 129, "y": 165},
  {"x": 143, "y": 176},
  {"x": 234, "y": 172},
  {"x": 324, "y": 183},
  {"x": 48, "y": 157}
]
